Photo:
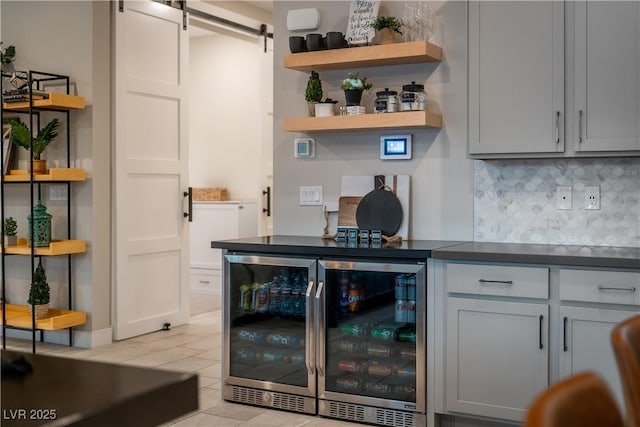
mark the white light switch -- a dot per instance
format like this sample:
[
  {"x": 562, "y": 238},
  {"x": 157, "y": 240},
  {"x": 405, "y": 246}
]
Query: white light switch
[{"x": 311, "y": 196}]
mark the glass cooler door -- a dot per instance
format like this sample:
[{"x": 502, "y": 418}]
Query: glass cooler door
[
  {"x": 371, "y": 349},
  {"x": 268, "y": 316}
]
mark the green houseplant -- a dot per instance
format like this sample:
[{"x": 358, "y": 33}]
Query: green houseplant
[
  {"x": 353, "y": 86},
  {"x": 387, "y": 27},
  {"x": 39, "y": 293},
  {"x": 22, "y": 136},
  {"x": 313, "y": 92},
  {"x": 10, "y": 231}
]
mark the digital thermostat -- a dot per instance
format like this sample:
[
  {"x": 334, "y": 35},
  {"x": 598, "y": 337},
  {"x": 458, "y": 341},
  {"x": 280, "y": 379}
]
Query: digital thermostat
[
  {"x": 303, "y": 148},
  {"x": 395, "y": 147}
]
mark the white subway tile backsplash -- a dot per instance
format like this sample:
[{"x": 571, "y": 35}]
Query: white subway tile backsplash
[{"x": 514, "y": 201}]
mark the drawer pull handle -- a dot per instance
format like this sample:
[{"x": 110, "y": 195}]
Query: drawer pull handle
[
  {"x": 204, "y": 281},
  {"x": 502, "y": 282},
  {"x": 564, "y": 334},
  {"x": 541, "y": 345},
  {"x": 613, "y": 288}
]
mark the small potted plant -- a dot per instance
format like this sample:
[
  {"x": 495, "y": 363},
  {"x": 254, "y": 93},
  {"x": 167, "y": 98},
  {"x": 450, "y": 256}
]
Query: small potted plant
[
  {"x": 313, "y": 92},
  {"x": 387, "y": 27},
  {"x": 39, "y": 293},
  {"x": 10, "y": 232},
  {"x": 353, "y": 86},
  {"x": 326, "y": 108},
  {"x": 22, "y": 136}
]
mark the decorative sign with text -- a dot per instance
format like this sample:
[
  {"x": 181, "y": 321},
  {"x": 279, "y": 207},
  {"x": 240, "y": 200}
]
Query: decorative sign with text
[{"x": 361, "y": 14}]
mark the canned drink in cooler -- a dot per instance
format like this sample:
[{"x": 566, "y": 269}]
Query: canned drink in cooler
[
  {"x": 408, "y": 371},
  {"x": 245, "y": 298},
  {"x": 295, "y": 359},
  {"x": 288, "y": 340},
  {"x": 380, "y": 369},
  {"x": 384, "y": 332},
  {"x": 254, "y": 296},
  {"x": 410, "y": 309},
  {"x": 262, "y": 302},
  {"x": 377, "y": 387},
  {"x": 247, "y": 354},
  {"x": 379, "y": 350},
  {"x": 407, "y": 334},
  {"x": 348, "y": 384},
  {"x": 355, "y": 329},
  {"x": 411, "y": 287},
  {"x": 276, "y": 356},
  {"x": 408, "y": 353},
  {"x": 349, "y": 345},
  {"x": 348, "y": 365},
  {"x": 401, "y": 287},
  {"x": 401, "y": 311}
]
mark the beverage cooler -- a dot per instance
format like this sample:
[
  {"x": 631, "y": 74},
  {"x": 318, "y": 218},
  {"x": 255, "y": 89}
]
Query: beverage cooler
[{"x": 339, "y": 338}]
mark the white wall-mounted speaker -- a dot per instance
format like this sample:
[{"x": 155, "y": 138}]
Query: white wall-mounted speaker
[{"x": 302, "y": 19}]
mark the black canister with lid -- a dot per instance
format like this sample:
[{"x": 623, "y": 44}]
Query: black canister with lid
[
  {"x": 386, "y": 101},
  {"x": 413, "y": 97}
]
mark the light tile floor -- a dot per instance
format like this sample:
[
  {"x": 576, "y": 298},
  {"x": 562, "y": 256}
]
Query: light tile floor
[{"x": 194, "y": 347}]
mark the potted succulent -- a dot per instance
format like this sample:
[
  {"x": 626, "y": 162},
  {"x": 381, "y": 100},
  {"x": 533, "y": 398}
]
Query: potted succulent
[
  {"x": 387, "y": 27},
  {"x": 22, "y": 136},
  {"x": 10, "y": 231},
  {"x": 326, "y": 108},
  {"x": 39, "y": 293},
  {"x": 353, "y": 86},
  {"x": 313, "y": 92}
]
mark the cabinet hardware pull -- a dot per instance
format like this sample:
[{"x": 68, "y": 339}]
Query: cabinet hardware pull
[
  {"x": 613, "y": 288},
  {"x": 320, "y": 323},
  {"x": 189, "y": 214},
  {"x": 310, "y": 345},
  {"x": 564, "y": 334},
  {"x": 503, "y": 282},
  {"x": 541, "y": 321},
  {"x": 267, "y": 194},
  {"x": 557, "y": 127},
  {"x": 579, "y": 125}
]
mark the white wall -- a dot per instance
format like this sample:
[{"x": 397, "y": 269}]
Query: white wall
[
  {"x": 224, "y": 114},
  {"x": 441, "y": 175}
]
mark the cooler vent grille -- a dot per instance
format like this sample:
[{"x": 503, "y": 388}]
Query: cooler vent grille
[
  {"x": 271, "y": 399},
  {"x": 368, "y": 414},
  {"x": 288, "y": 402},
  {"x": 387, "y": 417},
  {"x": 247, "y": 395},
  {"x": 346, "y": 411}
]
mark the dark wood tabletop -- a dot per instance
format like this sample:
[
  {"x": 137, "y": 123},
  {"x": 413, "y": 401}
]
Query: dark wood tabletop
[{"x": 62, "y": 391}]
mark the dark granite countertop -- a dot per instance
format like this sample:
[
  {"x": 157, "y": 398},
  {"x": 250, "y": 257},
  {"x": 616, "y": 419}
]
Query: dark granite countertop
[
  {"x": 316, "y": 246},
  {"x": 581, "y": 256}
]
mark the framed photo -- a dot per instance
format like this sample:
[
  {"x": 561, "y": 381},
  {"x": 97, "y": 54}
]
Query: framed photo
[
  {"x": 361, "y": 14},
  {"x": 7, "y": 146}
]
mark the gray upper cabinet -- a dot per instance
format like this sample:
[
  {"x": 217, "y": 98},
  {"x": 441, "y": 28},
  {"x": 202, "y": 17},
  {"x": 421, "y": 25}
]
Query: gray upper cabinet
[
  {"x": 607, "y": 76},
  {"x": 516, "y": 77},
  {"x": 520, "y": 56}
]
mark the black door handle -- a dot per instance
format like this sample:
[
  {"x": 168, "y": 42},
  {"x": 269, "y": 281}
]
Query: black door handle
[
  {"x": 267, "y": 193},
  {"x": 541, "y": 322},
  {"x": 564, "y": 334},
  {"x": 189, "y": 214}
]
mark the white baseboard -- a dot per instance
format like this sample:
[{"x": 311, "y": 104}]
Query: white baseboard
[{"x": 81, "y": 339}]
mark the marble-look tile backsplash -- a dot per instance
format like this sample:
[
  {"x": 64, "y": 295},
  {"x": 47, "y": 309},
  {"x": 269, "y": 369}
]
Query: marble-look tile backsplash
[{"x": 515, "y": 201}]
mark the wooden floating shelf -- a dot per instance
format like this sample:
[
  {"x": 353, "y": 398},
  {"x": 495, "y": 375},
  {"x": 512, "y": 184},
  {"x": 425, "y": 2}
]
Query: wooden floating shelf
[
  {"x": 55, "y": 174},
  {"x": 19, "y": 316},
  {"x": 363, "y": 122},
  {"x": 56, "y": 101},
  {"x": 365, "y": 56},
  {"x": 56, "y": 247}
]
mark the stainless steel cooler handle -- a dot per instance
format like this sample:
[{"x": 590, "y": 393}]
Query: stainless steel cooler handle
[
  {"x": 320, "y": 325},
  {"x": 310, "y": 340}
]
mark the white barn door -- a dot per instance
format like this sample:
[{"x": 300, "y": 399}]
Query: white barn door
[{"x": 151, "y": 169}]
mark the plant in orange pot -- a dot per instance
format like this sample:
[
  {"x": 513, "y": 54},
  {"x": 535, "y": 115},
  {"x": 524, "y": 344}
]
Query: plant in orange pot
[{"x": 22, "y": 136}]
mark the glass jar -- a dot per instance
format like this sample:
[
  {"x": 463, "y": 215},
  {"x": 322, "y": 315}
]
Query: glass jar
[
  {"x": 386, "y": 101},
  {"x": 413, "y": 97}
]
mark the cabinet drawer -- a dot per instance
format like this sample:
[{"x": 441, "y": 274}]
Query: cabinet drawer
[
  {"x": 508, "y": 281},
  {"x": 615, "y": 287},
  {"x": 205, "y": 281}
]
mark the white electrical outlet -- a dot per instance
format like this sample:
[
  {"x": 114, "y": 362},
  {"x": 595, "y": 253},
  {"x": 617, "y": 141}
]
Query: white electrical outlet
[
  {"x": 563, "y": 198},
  {"x": 592, "y": 197},
  {"x": 311, "y": 196}
]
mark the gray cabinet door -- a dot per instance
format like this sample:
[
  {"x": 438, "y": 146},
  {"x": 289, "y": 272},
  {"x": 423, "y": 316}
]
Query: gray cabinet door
[
  {"x": 496, "y": 357},
  {"x": 516, "y": 77},
  {"x": 607, "y": 76}
]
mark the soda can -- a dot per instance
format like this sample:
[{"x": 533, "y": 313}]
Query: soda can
[
  {"x": 247, "y": 354},
  {"x": 254, "y": 296},
  {"x": 408, "y": 335},
  {"x": 379, "y": 350},
  {"x": 411, "y": 287},
  {"x": 262, "y": 302},
  {"x": 380, "y": 369},
  {"x": 408, "y": 353},
  {"x": 348, "y": 384},
  {"x": 356, "y": 298},
  {"x": 401, "y": 287},
  {"x": 407, "y": 371},
  {"x": 245, "y": 298},
  {"x": 377, "y": 387},
  {"x": 349, "y": 345},
  {"x": 410, "y": 308},
  {"x": 346, "y": 365},
  {"x": 401, "y": 311},
  {"x": 384, "y": 332},
  {"x": 354, "y": 329}
]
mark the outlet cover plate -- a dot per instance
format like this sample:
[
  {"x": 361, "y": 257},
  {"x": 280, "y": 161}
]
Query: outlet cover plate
[
  {"x": 563, "y": 198},
  {"x": 592, "y": 197}
]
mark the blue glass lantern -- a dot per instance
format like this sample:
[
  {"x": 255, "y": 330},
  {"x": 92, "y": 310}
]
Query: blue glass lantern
[{"x": 41, "y": 226}]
